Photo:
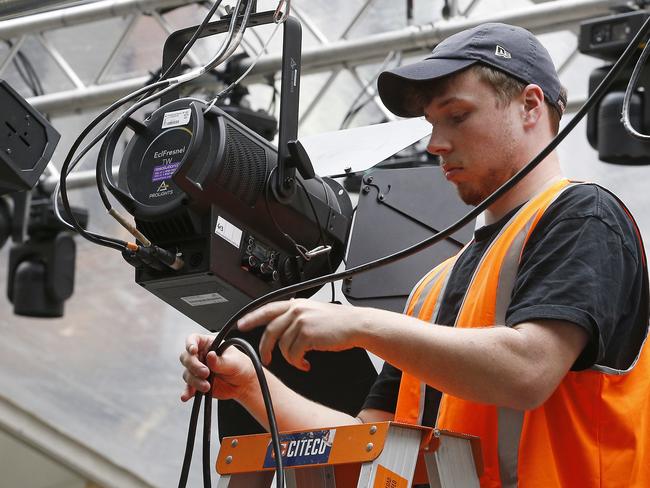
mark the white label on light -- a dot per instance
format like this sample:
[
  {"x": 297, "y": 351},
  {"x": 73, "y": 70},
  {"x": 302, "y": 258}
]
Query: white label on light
[
  {"x": 177, "y": 118},
  {"x": 229, "y": 232},
  {"x": 206, "y": 299}
]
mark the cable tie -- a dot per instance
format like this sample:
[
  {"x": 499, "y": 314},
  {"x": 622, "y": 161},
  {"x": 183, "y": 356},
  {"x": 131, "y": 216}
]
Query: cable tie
[
  {"x": 317, "y": 251},
  {"x": 189, "y": 76}
]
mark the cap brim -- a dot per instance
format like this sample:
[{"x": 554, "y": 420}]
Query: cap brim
[{"x": 396, "y": 86}]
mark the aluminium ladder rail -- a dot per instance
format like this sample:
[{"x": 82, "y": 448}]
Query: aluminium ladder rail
[{"x": 373, "y": 455}]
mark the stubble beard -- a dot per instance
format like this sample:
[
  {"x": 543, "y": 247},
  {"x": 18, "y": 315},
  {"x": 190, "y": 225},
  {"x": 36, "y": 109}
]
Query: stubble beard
[{"x": 474, "y": 192}]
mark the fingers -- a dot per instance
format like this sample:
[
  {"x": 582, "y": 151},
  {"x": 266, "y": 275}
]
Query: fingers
[
  {"x": 192, "y": 343},
  {"x": 293, "y": 347},
  {"x": 196, "y": 373},
  {"x": 273, "y": 332},
  {"x": 193, "y": 365},
  {"x": 188, "y": 393},
  {"x": 263, "y": 315},
  {"x": 196, "y": 383}
]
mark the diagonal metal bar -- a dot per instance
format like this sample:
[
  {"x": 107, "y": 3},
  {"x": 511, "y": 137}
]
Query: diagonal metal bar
[
  {"x": 169, "y": 30},
  {"x": 573, "y": 55},
  {"x": 371, "y": 92},
  {"x": 61, "y": 62},
  {"x": 82, "y": 14},
  {"x": 336, "y": 71},
  {"x": 131, "y": 22},
  {"x": 356, "y": 18},
  {"x": 319, "y": 95},
  {"x": 311, "y": 26},
  {"x": 12, "y": 53},
  {"x": 470, "y": 8}
]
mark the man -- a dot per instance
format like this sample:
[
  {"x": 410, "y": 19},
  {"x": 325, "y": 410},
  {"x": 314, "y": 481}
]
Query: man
[{"x": 532, "y": 337}]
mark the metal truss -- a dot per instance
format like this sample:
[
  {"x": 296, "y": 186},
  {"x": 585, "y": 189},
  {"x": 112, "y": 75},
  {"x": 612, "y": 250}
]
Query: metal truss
[
  {"x": 333, "y": 56},
  {"x": 37, "y": 26}
]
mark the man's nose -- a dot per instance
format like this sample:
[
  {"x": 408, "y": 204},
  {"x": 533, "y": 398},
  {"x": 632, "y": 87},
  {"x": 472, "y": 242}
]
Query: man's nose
[{"x": 438, "y": 144}]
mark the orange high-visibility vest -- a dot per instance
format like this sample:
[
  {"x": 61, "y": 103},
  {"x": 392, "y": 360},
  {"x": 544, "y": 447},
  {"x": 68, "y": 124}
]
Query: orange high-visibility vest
[{"x": 594, "y": 430}]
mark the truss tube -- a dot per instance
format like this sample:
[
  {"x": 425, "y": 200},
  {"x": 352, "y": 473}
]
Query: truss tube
[
  {"x": 539, "y": 18},
  {"x": 81, "y": 14},
  {"x": 546, "y": 17}
]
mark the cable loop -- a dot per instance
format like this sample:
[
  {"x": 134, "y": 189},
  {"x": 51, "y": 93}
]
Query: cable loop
[{"x": 632, "y": 84}]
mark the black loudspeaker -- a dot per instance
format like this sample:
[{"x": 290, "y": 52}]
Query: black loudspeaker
[{"x": 27, "y": 142}]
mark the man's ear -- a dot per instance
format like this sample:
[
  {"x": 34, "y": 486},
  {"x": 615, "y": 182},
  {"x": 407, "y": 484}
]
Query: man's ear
[{"x": 533, "y": 105}]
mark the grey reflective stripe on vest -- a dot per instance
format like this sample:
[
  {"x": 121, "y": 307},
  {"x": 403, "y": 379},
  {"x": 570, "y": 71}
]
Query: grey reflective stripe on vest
[
  {"x": 434, "y": 316},
  {"x": 425, "y": 292},
  {"x": 510, "y": 421}
]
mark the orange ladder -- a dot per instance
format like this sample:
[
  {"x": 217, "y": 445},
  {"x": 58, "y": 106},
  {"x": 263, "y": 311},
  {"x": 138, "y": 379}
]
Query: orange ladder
[{"x": 374, "y": 455}]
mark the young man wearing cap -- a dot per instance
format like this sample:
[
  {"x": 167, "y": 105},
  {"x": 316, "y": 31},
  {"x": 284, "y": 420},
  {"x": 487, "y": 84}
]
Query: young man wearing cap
[{"x": 532, "y": 336}]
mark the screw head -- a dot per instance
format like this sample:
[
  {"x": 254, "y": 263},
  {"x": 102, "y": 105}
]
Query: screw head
[
  {"x": 369, "y": 446},
  {"x": 234, "y": 443},
  {"x": 228, "y": 459},
  {"x": 381, "y": 197},
  {"x": 373, "y": 430},
  {"x": 365, "y": 189}
]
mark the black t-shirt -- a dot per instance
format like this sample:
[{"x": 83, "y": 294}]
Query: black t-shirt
[{"x": 583, "y": 263}]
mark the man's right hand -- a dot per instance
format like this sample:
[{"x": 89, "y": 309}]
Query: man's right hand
[{"x": 234, "y": 374}]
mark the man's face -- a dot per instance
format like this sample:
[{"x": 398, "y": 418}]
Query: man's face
[{"x": 477, "y": 139}]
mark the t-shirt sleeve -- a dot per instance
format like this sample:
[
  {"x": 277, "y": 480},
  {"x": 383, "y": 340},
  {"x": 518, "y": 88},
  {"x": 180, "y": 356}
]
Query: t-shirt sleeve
[
  {"x": 580, "y": 265},
  {"x": 384, "y": 392}
]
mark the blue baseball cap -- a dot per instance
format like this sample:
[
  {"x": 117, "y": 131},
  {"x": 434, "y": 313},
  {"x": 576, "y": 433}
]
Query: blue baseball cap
[{"x": 508, "y": 48}]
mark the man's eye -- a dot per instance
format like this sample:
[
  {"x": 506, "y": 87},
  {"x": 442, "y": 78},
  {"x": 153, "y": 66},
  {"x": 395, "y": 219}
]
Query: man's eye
[{"x": 458, "y": 118}]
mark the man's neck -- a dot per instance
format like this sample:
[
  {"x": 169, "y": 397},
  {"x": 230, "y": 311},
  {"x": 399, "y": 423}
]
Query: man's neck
[{"x": 544, "y": 175}]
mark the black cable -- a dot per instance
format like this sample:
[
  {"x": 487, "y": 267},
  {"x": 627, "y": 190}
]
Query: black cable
[
  {"x": 355, "y": 106},
  {"x": 73, "y": 149},
  {"x": 267, "y": 201},
  {"x": 247, "y": 349},
  {"x": 625, "y": 111},
  {"x": 189, "y": 447},
  {"x": 33, "y": 74},
  {"x": 192, "y": 40},
  {"x": 320, "y": 227},
  {"x": 104, "y": 166},
  {"x": 145, "y": 91},
  {"x": 515, "y": 179}
]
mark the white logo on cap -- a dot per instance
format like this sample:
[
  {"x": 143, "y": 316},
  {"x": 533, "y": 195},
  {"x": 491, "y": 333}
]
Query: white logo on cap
[{"x": 502, "y": 52}]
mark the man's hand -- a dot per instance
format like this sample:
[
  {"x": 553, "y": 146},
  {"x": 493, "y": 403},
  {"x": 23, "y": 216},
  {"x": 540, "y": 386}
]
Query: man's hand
[
  {"x": 234, "y": 374},
  {"x": 301, "y": 325}
]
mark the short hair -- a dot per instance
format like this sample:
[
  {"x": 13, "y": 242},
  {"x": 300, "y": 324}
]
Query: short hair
[{"x": 505, "y": 87}]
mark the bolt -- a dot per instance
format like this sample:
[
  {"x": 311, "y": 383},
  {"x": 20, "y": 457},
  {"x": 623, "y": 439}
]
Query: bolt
[
  {"x": 369, "y": 446},
  {"x": 381, "y": 197},
  {"x": 8, "y": 150},
  {"x": 366, "y": 189},
  {"x": 228, "y": 459},
  {"x": 373, "y": 429},
  {"x": 369, "y": 179},
  {"x": 234, "y": 443}
]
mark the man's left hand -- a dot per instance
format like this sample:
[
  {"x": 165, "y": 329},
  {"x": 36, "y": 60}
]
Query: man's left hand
[{"x": 302, "y": 325}]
